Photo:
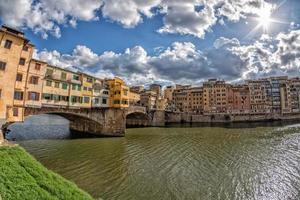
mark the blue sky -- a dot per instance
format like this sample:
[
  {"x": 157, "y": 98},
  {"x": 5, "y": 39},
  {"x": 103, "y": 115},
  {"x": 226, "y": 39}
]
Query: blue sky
[{"x": 164, "y": 41}]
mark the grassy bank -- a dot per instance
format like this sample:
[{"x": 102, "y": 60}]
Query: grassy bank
[{"x": 22, "y": 177}]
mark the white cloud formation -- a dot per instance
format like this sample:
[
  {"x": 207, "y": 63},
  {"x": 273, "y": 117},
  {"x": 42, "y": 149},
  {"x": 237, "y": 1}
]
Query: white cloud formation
[
  {"x": 182, "y": 62},
  {"x": 192, "y": 17},
  {"x": 46, "y": 16}
]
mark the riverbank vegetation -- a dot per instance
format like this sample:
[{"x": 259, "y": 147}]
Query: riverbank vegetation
[{"x": 22, "y": 177}]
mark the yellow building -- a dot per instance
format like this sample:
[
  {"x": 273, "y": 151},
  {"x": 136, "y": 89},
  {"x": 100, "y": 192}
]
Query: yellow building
[
  {"x": 15, "y": 55},
  {"x": 87, "y": 90},
  {"x": 119, "y": 93}
]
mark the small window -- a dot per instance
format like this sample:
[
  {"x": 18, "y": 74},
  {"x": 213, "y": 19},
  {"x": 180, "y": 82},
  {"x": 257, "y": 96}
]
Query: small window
[
  {"x": 56, "y": 84},
  {"x": 79, "y": 87},
  {"x": 47, "y": 96},
  {"x": 19, "y": 77},
  {"x": 49, "y": 72},
  {"x": 2, "y": 65},
  {"x": 73, "y": 86},
  {"x": 86, "y": 99},
  {"x": 34, "y": 96},
  {"x": 49, "y": 83},
  {"x": 25, "y": 48},
  {"x": 64, "y": 86},
  {"x": 37, "y": 66},
  {"x": 22, "y": 61},
  {"x": 34, "y": 80},
  {"x": 104, "y": 101},
  {"x": 18, "y": 95},
  {"x": 89, "y": 80},
  {"x": 76, "y": 77},
  {"x": 15, "y": 112},
  {"x": 63, "y": 76},
  {"x": 8, "y": 44}
]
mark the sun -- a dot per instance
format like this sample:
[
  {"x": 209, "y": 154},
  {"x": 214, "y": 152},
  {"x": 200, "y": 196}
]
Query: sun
[{"x": 264, "y": 18}]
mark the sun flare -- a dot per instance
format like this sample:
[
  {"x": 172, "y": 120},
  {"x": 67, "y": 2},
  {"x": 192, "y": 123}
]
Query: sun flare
[{"x": 265, "y": 18}]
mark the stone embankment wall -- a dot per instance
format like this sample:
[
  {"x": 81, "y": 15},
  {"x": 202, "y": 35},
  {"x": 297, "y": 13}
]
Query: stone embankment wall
[{"x": 223, "y": 118}]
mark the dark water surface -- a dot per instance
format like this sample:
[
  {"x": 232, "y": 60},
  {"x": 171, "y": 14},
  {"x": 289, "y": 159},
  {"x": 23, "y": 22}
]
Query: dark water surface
[{"x": 260, "y": 163}]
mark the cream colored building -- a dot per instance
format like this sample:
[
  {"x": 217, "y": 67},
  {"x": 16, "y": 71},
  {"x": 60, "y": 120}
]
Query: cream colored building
[
  {"x": 100, "y": 93},
  {"x": 15, "y": 55},
  {"x": 134, "y": 98}
]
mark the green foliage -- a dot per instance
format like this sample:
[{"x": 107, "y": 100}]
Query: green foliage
[{"x": 22, "y": 177}]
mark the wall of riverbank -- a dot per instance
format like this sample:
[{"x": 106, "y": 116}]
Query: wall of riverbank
[
  {"x": 225, "y": 118},
  {"x": 22, "y": 177}
]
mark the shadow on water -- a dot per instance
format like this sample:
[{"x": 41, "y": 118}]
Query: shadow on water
[{"x": 44, "y": 126}]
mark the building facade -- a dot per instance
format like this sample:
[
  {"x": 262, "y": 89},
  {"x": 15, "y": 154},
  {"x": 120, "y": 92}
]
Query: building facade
[{"x": 119, "y": 93}]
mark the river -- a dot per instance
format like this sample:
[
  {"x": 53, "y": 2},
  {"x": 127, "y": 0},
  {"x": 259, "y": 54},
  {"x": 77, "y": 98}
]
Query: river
[{"x": 258, "y": 161}]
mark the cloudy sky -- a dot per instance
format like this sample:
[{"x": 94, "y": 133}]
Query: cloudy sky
[{"x": 163, "y": 41}]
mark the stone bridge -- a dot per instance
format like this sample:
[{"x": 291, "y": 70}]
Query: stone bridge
[{"x": 102, "y": 121}]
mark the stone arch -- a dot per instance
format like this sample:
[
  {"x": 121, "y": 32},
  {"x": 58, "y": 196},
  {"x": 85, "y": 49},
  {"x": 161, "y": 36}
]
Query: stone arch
[{"x": 137, "y": 119}]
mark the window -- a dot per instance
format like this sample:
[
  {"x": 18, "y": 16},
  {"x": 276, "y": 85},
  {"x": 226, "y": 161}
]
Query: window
[
  {"x": 89, "y": 79},
  {"x": 90, "y": 89},
  {"x": 25, "y": 48},
  {"x": 49, "y": 72},
  {"x": 85, "y": 88},
  {"x": 116, "y": 101},
  {"x": 34, "y": 96},
  {"x": 0, "y": 92},
  {"x": 49, "y": 83},
  {"x": 64, "y": 86},
  {"x": 63, "y": 76},
  {"x": 8, "y": 44},
  {"x": 56, "y": 84},
  {"x": 105, "y": 92},
  {"x": 86, "y": 99},
  {"x": 2, "y": 65},
  {"x": 22, "y": 61},
  {"x": 76, "y": 77},
  {"x": 34, "y": 80},
  {"x": 18, "y": 95},
  {"x": 96, "y": 101},
  {"x": 19, "y": 77},
  {"x": 104, "y": 101},
  {"x": 79, "y": 87},
  {"x": 15, "y": 112},
  {"x": 47, "y": 96},
  {"x": 73, "y": 86},
  {"x": 65, "y": 98},
  {"x": 37, "y": 66},
  {"x": 56, "y": 97}
]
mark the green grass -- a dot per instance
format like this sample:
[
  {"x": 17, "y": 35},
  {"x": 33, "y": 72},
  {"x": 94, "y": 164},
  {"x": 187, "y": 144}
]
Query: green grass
[{"x": 22, "y": 177}]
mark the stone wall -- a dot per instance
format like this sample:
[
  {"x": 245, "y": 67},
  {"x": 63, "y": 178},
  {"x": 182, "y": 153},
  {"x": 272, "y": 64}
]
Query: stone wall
[{"x": 223, "y": 118}]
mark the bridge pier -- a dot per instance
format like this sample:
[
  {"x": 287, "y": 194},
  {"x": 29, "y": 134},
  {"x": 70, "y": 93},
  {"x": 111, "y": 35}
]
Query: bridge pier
[{"x": 158, "y": 118}]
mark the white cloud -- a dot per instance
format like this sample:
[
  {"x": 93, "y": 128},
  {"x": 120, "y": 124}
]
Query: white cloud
[
  {"x": 191, "y": 17},
  {"x": 128, "y": 12},
  {"x": 45, "y": 17}
]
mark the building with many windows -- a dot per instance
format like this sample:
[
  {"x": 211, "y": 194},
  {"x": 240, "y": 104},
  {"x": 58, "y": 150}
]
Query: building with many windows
[{"x": 119, "y": 93}]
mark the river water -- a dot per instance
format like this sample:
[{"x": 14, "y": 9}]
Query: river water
[{"x": 258, "y": 161}]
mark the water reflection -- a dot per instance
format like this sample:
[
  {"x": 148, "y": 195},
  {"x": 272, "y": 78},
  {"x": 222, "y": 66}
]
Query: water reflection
[{"x": 181, "y": 163}]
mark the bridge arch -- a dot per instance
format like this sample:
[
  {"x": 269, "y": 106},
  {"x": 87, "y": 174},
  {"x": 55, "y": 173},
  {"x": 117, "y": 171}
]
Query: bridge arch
[{"x": 137, "y": 119}]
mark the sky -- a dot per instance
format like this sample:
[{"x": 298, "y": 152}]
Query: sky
[{"x": 163, "y": 41}]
